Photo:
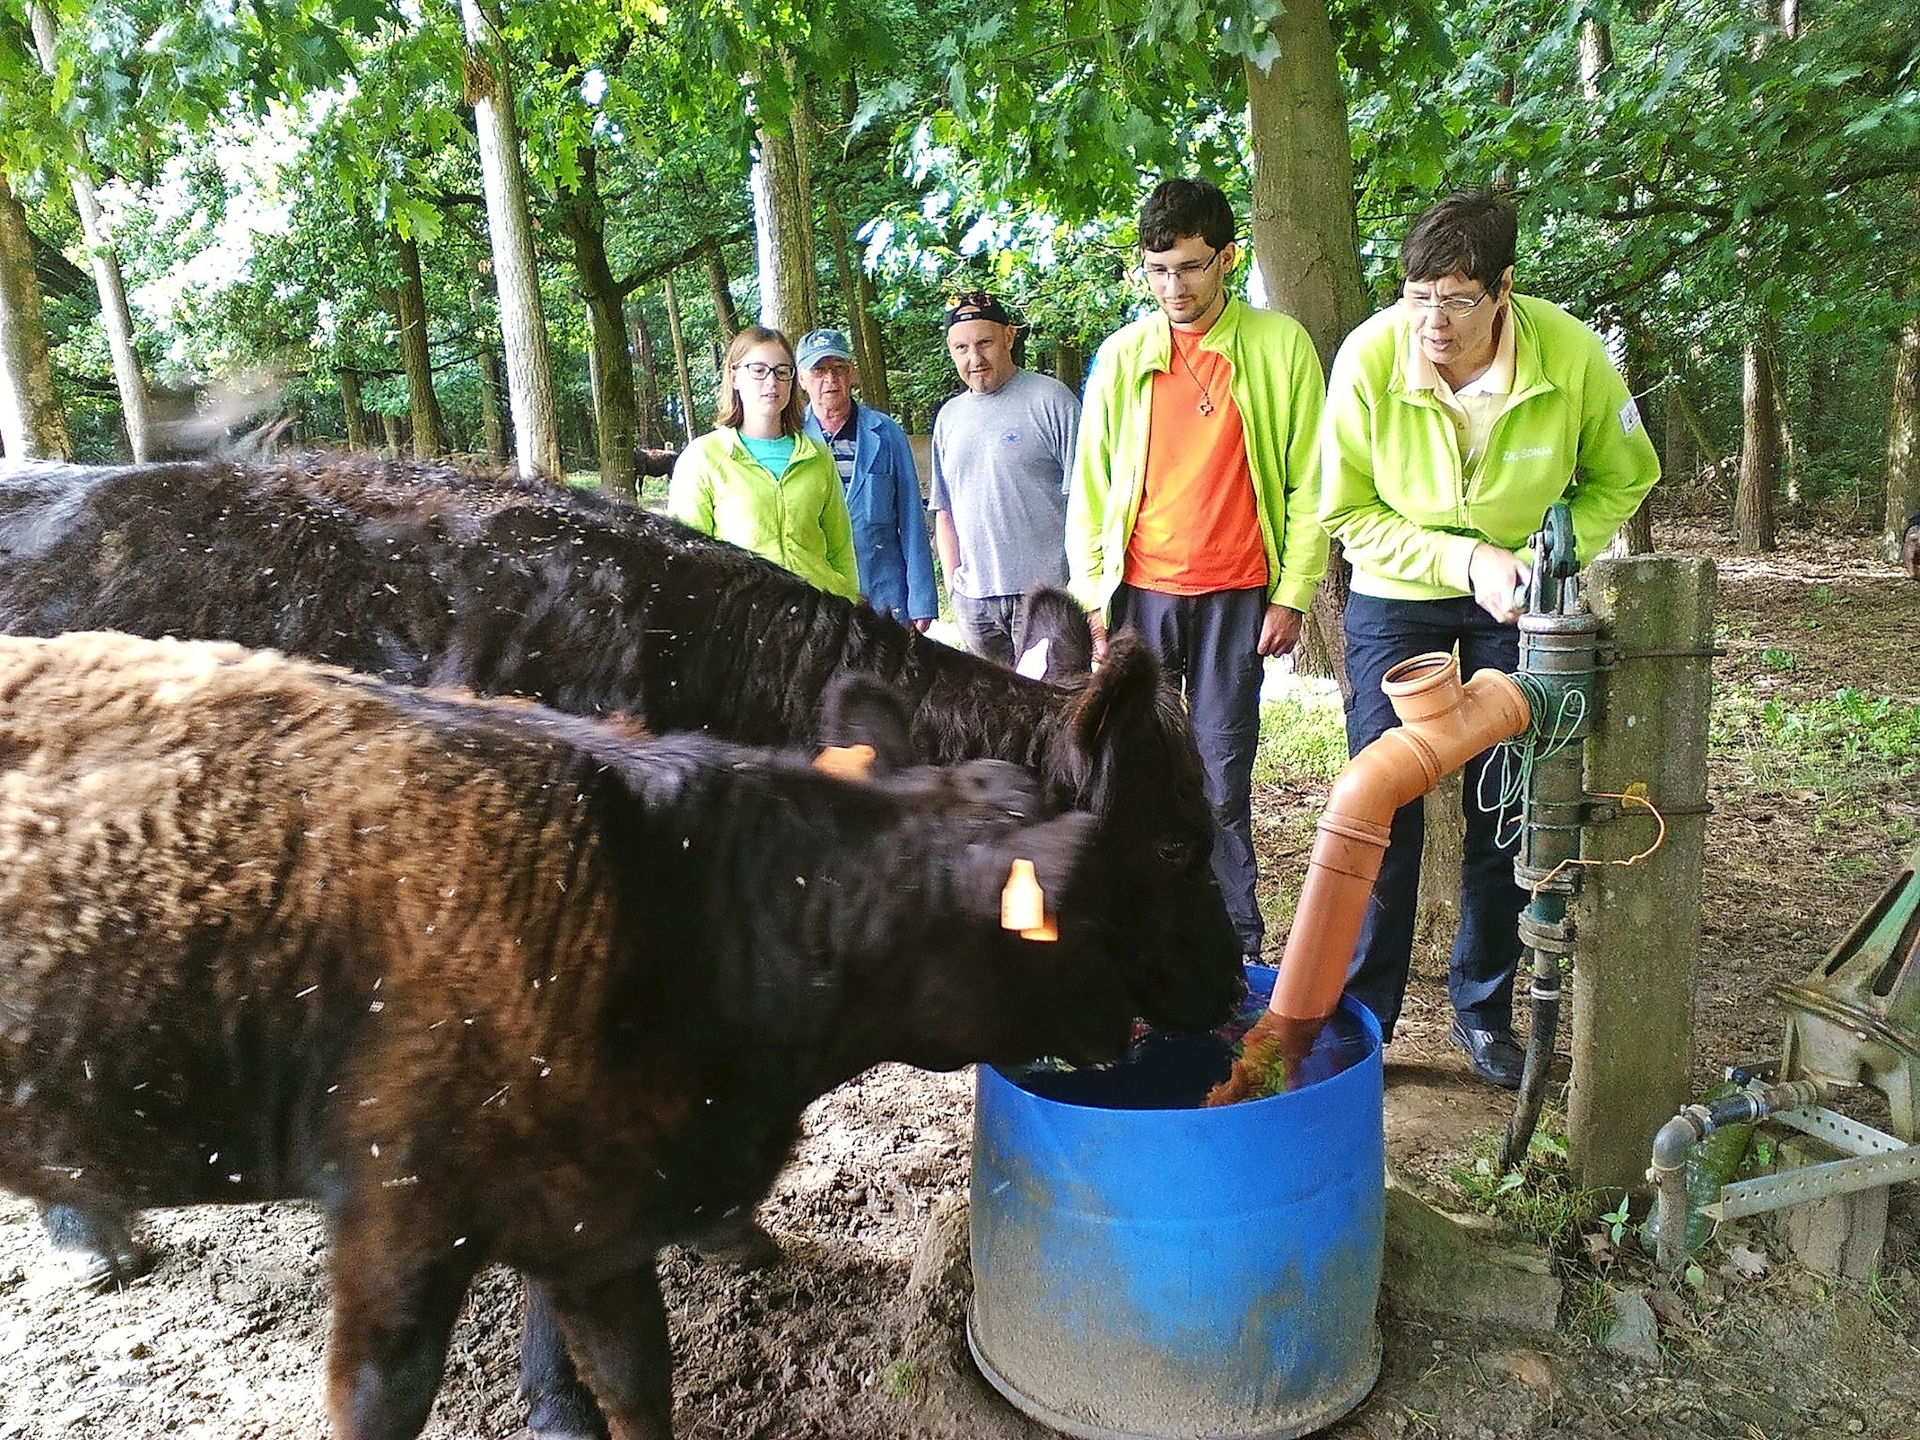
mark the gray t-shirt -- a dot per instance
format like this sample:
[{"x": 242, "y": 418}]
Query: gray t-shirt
[{"x": 1000, "y": 467}]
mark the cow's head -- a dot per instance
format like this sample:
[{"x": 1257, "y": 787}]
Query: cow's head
[{"x": 1137, "y": 769}]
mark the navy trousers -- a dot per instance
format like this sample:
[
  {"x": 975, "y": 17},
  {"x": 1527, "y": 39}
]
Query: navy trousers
[
  {"x": 1211, "y": 645},
  {"x": 1486, "y": 948}
]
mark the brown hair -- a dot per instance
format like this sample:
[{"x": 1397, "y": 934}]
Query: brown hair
[
  {"x": 1470, "y": 233},
  {"x": 728, "y": 412}
]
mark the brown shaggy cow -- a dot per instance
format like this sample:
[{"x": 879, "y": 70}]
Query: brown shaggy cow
[{"x": 485, "y": 981}]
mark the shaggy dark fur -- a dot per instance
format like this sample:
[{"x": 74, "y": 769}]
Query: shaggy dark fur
[
  {"x": 1049, "y": 613},
  {"x": 487, "y": 982},
  {"x": 427, "y": 575},
  {"x": 1910, "y": 547}
]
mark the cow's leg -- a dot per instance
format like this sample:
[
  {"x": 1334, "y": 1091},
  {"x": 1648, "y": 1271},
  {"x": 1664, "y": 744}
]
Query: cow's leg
[
  {"x": 559, "y": 1407},
  {"x": 93, "y": 1248},
  {"x": 617, "y": 1331},
  {"x": 392, "y": 1314}
]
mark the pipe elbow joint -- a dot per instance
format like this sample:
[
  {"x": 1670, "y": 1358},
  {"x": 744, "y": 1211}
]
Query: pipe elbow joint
[
  {"x": 1384, "y": 776},
  {"x": 1675, "y": 1138}
]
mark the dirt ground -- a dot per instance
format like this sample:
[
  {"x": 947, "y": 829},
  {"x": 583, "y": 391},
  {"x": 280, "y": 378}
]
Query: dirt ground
[{"x": 846, "y": 1338}]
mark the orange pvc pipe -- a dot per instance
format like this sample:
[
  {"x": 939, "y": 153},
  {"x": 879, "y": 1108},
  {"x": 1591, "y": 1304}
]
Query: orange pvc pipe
[{"x": 1443, "y": 724}]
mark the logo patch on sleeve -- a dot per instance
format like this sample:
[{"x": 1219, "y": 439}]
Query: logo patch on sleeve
[{"x": 1629, "y": 417}]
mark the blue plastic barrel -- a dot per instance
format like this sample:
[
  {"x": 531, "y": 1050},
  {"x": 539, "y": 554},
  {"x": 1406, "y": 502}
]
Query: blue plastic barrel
[{"x": 1146, "y": 1267}]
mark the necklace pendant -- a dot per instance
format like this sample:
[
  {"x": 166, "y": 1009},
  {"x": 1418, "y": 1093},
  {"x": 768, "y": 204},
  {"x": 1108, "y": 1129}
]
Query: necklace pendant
[{"x": 1206, "y": 407}]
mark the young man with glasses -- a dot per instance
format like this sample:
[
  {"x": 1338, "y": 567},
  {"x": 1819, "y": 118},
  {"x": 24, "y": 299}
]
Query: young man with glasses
[
  {"x": 1191, "y": 516},
  {"x": 1001, "y": 452},
  {"x": 1454, "y": 419}
]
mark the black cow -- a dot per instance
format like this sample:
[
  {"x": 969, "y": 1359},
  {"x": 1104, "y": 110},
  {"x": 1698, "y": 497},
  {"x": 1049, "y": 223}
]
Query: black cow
[
  {"x": 485, "y": 981},
  {"x": 426, "y": 575}
]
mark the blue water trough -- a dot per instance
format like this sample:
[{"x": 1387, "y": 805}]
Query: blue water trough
[{"x": 1146, "y": 1267}]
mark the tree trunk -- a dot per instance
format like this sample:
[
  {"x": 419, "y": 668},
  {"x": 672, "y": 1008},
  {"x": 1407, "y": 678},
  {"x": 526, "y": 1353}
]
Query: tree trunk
[
  {"x": 1305, "y": 238},
  {"x": 390, "y": 428},
  {"x": 491, "y": 428},
  {"x": 516, "y": 270},
  {"x": 1903, "y": 438},
  {"x": 680, "y": 367},
  {"x": 1759, "y": 453},
  {"x": 725, "y": 313},
  {"x": 783, "y": 221},
  {"x": 1707, "y": 452},
  {"x": 1070, "y": 364},
  {"x": 867, "y": 356},
  {"x": 353, "y": 407},
  {"x": 1323, "y": 644},
  {"x": 646, "y": 386},
  {"x": 115, "y": 318},
  {"x": 1679, "y": 454},
  {"x": 32, "y": 424},
  {"x": 410, "y": 306},
  {"x": 583, "y": 216},
  {"x": 1792, "y": 482},
  {"x": 879, "y": 389},
  {"x": 1636, "y": 536},
  {"x": 1304, "y": 235},
  {"x": 1596, "y": 55}
]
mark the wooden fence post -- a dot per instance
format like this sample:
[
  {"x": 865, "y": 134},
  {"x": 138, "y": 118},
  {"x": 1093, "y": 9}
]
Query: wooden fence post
[{"x": 1637, "y": 930}]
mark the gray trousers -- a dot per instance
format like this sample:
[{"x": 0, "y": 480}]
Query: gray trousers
[
  {"x": 1210, "y": 645},
  {"x": 986, "y": 624}
]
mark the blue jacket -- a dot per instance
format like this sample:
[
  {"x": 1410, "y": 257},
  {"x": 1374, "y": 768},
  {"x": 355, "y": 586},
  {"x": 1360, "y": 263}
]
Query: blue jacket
[{"x": 889, "y": 518}]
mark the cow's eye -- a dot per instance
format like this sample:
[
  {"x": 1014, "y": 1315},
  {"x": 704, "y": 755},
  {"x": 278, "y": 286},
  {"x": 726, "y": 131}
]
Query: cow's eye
[{"x": 1176, "y": 852}]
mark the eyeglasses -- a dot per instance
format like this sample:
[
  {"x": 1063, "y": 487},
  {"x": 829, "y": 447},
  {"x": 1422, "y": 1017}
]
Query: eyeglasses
[
  {"x": 759, "y": 370},
  {"x": 969, "y": 300},
  {"x": 1192, "y": 270},
  {"x": 1455, "y": 305}
]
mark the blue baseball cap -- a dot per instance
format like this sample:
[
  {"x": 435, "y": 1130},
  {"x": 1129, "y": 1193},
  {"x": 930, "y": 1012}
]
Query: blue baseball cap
[{"x": 818, "y": 345}]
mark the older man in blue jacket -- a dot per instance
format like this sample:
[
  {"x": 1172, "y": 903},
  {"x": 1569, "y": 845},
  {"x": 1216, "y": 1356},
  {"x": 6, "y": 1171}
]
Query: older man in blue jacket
[{"x": 883, "y": 487}]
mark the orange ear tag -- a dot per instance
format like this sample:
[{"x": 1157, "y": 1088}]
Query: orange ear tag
[
  {"x": 1023, "y": 904},
  {"x": 845, "y": 762}
]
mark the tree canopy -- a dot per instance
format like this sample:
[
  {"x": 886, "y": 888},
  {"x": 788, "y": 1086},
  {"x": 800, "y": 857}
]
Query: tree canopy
[{"x": 284, "y": 182}]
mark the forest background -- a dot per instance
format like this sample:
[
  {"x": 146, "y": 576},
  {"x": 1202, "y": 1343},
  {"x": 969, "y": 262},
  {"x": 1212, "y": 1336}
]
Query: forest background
[{"x": 527, "y": 228}]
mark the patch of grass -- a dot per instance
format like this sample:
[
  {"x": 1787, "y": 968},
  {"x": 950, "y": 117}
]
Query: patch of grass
[
  {"x": 899, "y": 1379},
  {"x": 1539, "y": 1199},
  {"x": 1833, "y": 744},
  {"x": 1303, "y": 737},
  {"x": 1845, "y": 728},
  {"x": 1589, "y": 1309},
  {"x": 1779, "y": 661}
]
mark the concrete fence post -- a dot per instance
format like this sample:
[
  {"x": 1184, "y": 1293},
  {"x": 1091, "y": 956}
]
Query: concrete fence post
[{"x": 1637, "y": 931}]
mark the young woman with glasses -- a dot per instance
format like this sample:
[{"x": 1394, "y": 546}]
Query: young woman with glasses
[{"x": 757, "y": 480}]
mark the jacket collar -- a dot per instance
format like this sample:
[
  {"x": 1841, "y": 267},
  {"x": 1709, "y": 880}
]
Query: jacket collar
[{"x": 1219, "y": 336}]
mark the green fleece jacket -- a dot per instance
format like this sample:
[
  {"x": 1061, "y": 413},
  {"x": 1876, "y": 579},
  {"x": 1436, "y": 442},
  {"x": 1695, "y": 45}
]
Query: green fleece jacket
[
  {"x": 799, "y": 521},
  {"x": 1278, "y": 387},
  {"x": 1393, "y": 491}
]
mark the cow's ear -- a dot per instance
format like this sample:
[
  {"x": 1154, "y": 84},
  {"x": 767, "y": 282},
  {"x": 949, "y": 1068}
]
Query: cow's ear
[
  {"x": 1049, "y": 615},
  {"x": 860, "y": 710},
  {"x": 1128, "y": 682},
  {"x": 1055, "y": 850}
]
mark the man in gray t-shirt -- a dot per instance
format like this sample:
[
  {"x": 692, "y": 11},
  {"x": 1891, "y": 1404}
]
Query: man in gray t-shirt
[{"x": 1001, "y": 456}]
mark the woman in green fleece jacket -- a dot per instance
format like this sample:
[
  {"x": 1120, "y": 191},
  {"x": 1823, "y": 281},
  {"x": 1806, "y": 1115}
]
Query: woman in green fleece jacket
[
  {"x": 1453, "y": 420},
  {"x": 758, "y": 480}
]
